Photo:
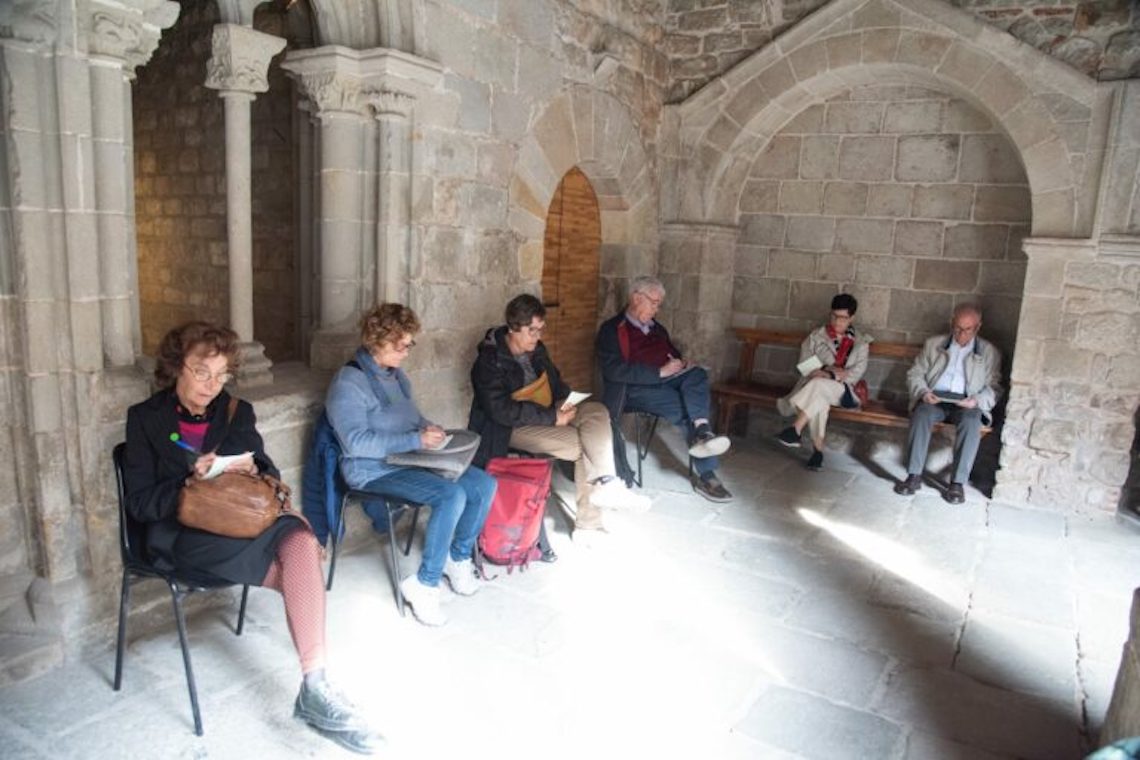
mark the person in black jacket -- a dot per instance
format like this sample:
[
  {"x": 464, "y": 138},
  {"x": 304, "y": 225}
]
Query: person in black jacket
[
  {"x": 173, "y": 439},
  {"x": 521, "y": 402}
]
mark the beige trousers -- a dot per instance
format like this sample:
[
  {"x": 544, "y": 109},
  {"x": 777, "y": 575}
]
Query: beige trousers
[
  {"x": 815, "y": 399},
  {"x": 587, "y": 442}
]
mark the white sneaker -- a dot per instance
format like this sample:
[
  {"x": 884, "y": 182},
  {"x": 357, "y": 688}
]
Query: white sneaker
[
  {"x": 614, "y": 495},
  {"x": 461, "y": 576},
  {"x": 706, "y": 444},
  {"x": 424, "y": 601}
]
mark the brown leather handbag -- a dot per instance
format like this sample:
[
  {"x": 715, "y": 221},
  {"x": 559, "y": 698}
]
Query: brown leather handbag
[{"x": 234, "y": 504}]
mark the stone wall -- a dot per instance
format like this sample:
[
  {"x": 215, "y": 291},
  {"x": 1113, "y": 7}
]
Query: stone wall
[
  {"x": 180, "y": 191},
  {"x": 908, "y": 198},
  {"x": 705, "y": 38},
  {"x": 1076, "y": 374}
]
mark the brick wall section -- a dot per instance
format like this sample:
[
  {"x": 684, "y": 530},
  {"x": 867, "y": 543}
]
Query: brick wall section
[
  {"x": 180, "y": 196},
  {"x": 704, "y": 38},
  {"x": 570, "y": 278},
  {"x": 905, "y": 197}
]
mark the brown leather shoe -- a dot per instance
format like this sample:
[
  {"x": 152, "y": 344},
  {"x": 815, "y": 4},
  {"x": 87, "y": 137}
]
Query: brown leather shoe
[
  {"x": 909, "y": 486},
  {"x": 955, "y": 494}
]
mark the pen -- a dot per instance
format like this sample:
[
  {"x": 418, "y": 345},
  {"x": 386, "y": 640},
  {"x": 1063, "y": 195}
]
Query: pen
[{"x": 183, "y": 445}]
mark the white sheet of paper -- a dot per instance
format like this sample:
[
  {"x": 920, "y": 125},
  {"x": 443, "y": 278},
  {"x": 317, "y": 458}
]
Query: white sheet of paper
[
  {"x": 576, "y": 397},
  {"x": 221, "y": 463},
  {"x": 809, "y": 365}
]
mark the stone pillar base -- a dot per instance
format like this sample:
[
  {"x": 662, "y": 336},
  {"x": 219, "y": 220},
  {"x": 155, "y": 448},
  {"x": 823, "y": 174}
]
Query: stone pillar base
[
  {"x": 331, "y": 347},
  {"x": 255, "y": 369},
  {"x": 1123, "y": 718}
]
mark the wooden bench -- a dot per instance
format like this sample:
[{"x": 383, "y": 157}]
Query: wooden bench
[{"x": 730, "y": 395}]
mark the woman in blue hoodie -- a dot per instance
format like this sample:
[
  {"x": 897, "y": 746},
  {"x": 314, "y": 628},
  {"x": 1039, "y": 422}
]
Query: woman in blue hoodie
[{"x": 372, "y": 412}]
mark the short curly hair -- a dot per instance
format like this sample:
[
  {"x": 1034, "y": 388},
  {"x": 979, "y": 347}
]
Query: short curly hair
[
  {"x": 190, "y": 338},
  {"x": 385, "y": 323}
]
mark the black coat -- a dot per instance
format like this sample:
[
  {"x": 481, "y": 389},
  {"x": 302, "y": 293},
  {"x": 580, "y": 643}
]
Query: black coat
[
  {"x": 495, "y": 376},
  {"x": 154, "y": 471}
]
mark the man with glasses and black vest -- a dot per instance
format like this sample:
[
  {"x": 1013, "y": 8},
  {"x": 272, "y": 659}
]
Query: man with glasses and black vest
[{"x": 956, "y": 378}]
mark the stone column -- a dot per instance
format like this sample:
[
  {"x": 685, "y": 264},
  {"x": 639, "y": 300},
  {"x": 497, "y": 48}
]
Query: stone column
[
  {"x": 394, "y": 172},
  {"x": 238, "y": 69},
  {"x": 328, "y": 78},
  {"x": 696, "y": 264}
]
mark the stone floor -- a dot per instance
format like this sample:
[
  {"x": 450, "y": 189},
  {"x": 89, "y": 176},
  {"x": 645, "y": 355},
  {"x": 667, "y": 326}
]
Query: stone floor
[{"x": 816, "y": 616}]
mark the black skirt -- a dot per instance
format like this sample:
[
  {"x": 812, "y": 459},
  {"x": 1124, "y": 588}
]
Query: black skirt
[{"x": 210, "y": 558}]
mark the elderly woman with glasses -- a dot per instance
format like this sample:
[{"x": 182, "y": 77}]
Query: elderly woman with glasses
[
  {"x": 840, "y": 354},
  {"x": 372, "y": 412},
  {"x": 172, "y": 439}
]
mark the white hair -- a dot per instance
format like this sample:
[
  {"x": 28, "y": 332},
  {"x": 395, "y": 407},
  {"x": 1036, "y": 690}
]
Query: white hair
[{"x": 646, "y": 284}]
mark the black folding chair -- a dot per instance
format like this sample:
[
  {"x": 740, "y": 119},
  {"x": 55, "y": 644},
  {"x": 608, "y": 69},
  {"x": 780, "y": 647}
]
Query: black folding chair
[
  {"x": 395, "y": 509},
  {"x": 137, "y": 567},
  {"x": 644, "y": 428}
]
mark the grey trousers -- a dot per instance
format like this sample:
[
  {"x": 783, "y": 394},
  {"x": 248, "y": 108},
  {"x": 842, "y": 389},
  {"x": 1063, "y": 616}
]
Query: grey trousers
[{"x": 967, "y": 436}]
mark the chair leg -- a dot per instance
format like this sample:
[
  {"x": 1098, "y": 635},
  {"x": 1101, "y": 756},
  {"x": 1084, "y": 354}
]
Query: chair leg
[
  {"x": 335, "y": 537},
  {"x": 393, "y": 560},
  {"x": 121, "y": 646},
  {"x": 176, "y": 598},
  {"x": 241, "y": 610},
  {"x": 412, "y": 530}
]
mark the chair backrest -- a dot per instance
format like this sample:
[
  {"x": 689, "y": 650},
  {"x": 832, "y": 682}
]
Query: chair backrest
[{"x": 132, "y": 533}]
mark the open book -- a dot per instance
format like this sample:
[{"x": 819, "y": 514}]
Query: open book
[{"x": 809, "y": 365}]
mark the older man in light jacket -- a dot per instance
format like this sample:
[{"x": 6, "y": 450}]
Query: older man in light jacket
[{"x": 956, "y": 378}]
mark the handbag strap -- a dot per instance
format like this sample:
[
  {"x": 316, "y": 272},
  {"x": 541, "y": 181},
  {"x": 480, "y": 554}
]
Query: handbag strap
[{"x": 231, "y": 410}]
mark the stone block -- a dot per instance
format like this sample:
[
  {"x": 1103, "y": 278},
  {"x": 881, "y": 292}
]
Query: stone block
[
  {"x": 792, "y": 720},
  {"x": 880, "y": 45},
  {"x": 807, "y": 121},
  {"x": 1040, "y": 318},
  {"x": 759, "y": 195},
  {"x": 819, "y": 157},
  {"x": 763, "y": 229},
  {"x": 964, "y": 64},
  {"x": 866, "y": 158},
  {"x": 998, "y": 203},
  {"x": 927, "y": 158},
  {"x": 1099, "y": 275},
  {"x": 766, "y": 296},
  {"x": 510, "y": 114},
  {"x": 921, "y": 49},
  {"x": 1001, "y": 90},
  {"x": 935, "y": 274},
  {"x": 975, "y": 241},
  {"x": 864, "y": 235},
  {"x": 791, "y": 264},
  {"x": 889, "y": 200},
  {"x": 1124, "y": 371},
  {"x": 990, "y": 159},
  {"x": 474, "y": 103},
  {"x": 1002, "y": 277},
  {"x": 943, "y": 201},
  {"x": 847, "y": 117},
  {"x": 801, "y": 197},
  {"x": 808, "y": 300},
  {"x": 885, "y": 271},
  {"x": 845, "y": 198},
  {"x": 779, "y": 160},
  {"x": 844, "y": 50},
  {"x": 836, "y": 267},
  {"x": 810, "y": 233},
  {"x": 912, "y": 117},
  {"x": 918, "y": 238},
  {"x": 1108, "y": 332},
  {"x": 918, "y": 312},
  {"x": 874, "y": 305},
  {"x": 809, "y": 60},
  {"x": 1053, "y": 435}
]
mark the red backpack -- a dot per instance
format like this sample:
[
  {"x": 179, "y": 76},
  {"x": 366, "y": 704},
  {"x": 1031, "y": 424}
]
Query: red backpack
[{"x": 513, "y": 533}]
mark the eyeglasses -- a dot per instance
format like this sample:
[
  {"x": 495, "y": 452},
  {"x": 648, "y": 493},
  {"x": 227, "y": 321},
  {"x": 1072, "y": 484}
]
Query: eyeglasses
[
  {"x": 403, "y": 348},
  {"x": 534, "y": 332},
  {"x": 655, "y": 301},
  {"x": 841, "y": 317},
  {"x": 202, "y": 375},
  {"x": 964, "y": 330}
]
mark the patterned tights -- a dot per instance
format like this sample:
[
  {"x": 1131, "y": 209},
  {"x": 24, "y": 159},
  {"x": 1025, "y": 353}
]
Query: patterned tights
[{"x": 296, "y": 573}]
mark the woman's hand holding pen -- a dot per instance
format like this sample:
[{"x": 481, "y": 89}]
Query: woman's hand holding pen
[{"x": 431, "y": 436}]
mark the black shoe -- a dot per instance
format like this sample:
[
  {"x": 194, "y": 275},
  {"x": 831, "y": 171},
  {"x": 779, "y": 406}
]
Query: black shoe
[
  {"x": 815, "y": 461},
  {"x": 789, "y": 437},
  {"x": 909, "y": 486},
  {"x": 711, "y": 488},
  {"x": 955, "y": 494}
]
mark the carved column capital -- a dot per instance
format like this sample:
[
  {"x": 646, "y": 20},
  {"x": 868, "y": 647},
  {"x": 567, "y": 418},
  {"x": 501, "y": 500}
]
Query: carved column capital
[
  {"x": 240, "y": 58},
  {"x": 29, "y": 21},
  {"x": 389, "y": 103},
  {"x": 127, "y": 30}
]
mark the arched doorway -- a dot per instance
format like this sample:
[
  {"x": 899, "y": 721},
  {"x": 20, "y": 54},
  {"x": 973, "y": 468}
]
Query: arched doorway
[{"x": 570, "y": 277}]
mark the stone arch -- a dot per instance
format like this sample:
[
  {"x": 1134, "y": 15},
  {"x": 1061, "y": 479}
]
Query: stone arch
[
  {"x": 595, "y": 132},
  {"x": 1047, "y": 110}
]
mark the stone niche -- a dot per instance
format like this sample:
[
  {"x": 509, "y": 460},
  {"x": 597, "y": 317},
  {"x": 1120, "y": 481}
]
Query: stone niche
[{"x": 906, "y": 197}]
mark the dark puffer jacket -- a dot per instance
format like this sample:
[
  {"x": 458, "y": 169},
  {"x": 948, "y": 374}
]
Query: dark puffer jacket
[{"x": 495, "y": 376}]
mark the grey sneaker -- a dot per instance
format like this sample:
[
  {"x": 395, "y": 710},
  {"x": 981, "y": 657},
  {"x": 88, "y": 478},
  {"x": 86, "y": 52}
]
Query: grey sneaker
[
  {"x": 362, "y": 742},
  {"x": 323, "y": 707}
]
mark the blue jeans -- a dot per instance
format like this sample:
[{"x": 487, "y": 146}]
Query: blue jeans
[
  {"x": 680, "y": 400},
  {"x": 458, "y": 509}
]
